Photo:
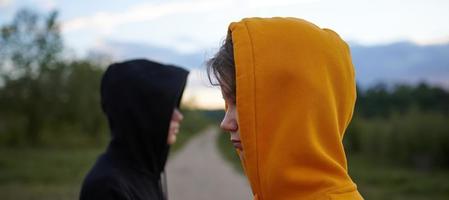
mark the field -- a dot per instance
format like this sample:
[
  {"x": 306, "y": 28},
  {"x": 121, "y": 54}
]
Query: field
[
  {"x": 57, "y": 172},
  {"x": 47, "y": 173},
  {"x": 43, "y": 173},
  {"x": 377, "y": 180}
]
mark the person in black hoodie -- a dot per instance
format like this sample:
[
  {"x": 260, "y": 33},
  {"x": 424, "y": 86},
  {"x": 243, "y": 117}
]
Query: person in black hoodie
[{"x": 140, "y": 99}]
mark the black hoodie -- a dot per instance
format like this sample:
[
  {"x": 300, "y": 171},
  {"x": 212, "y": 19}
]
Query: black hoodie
[{"x": 138, "y": 98}]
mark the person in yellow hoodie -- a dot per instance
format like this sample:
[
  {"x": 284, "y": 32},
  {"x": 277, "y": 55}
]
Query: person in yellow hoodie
[{"x": 290, "y": 91}]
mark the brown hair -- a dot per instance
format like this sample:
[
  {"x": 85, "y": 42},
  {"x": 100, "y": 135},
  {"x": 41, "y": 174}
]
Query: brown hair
[{"x": 221, "y": 67}]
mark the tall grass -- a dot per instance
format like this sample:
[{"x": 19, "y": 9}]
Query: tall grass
[{"x": 414, "y": 139}]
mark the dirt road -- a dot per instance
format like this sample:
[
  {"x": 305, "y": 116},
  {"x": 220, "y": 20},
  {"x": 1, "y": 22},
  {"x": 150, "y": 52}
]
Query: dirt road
[{"x": 199, "y": 172}]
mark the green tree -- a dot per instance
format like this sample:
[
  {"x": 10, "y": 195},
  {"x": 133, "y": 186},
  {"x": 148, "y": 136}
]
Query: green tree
[{"x": 31, "y": 47}]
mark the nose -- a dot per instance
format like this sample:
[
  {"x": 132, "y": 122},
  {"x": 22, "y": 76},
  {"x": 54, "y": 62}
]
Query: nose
[{"x": 229, "y": 123}]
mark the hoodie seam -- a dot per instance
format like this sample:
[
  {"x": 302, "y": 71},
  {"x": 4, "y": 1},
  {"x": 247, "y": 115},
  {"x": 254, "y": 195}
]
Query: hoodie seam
[{"x": 255, "y": 112}]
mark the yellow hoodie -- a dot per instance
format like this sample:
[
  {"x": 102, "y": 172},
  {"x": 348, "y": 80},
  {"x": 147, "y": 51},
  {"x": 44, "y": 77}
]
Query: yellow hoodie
[{"x": 295, "y": 98}]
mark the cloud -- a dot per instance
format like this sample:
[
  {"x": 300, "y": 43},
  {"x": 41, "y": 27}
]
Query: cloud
[
  {"x": 106, "y": 21},
  {"x": 5, "y": 3},
  {"x": 271, "y": 3},
  {"x": 432, "y": 41},
  {"x": 47, "y": 4}
]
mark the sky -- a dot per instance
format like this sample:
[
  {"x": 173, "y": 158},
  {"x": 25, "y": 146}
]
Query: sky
[
  {"x": 192, "y": 25},
  {"x": 195, "y": 25}
]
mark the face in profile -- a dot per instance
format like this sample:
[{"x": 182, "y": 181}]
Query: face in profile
[
  {"x": 175, "y": 123},
  {"x": 230, "y": 124}
]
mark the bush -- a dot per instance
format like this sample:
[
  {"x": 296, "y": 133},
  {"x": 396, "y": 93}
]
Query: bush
[{"x": 416, "y": 138}]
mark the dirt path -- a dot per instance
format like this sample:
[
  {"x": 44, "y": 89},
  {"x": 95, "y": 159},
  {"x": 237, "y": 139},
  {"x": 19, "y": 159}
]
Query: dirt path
[{"x": 199, "y": 172}]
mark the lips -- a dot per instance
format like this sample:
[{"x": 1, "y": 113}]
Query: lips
[{"x": 237, "y": 144}]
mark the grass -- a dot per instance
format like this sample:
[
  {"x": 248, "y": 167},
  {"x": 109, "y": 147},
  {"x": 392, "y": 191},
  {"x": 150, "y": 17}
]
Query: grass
[
  {"x": 44, "y": 173},
  {"x": 57, "y": 172},
  {"x": 52, "y": 173},
  {"x": 384, "y": 181},
  {"x": 377, "y": 180},
  {"x": 49, "y": 173}
]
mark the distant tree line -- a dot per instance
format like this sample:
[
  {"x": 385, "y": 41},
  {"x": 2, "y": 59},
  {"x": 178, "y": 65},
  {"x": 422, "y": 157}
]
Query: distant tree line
[
  {"x": 383, "y": 101},
  {"x": 403, "y": 124}
]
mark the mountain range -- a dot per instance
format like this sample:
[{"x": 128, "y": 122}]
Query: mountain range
[{"x": 400, "y": 62}]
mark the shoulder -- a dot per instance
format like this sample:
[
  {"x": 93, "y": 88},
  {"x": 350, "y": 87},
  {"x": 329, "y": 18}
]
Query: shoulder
[
  {"x": 103, "y": 183},
  {"x": 103, "y": 187}
]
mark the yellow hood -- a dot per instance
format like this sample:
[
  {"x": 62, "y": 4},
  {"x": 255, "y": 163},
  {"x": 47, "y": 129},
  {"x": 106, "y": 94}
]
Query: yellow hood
[{"x": 295, "y": 98}]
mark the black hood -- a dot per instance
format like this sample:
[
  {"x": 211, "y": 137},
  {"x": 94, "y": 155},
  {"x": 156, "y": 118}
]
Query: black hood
[{"x": 138, "y": 98}]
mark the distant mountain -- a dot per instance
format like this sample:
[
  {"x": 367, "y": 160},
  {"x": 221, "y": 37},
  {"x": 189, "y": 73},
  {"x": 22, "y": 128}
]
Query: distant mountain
[
  {"x": 401, "y": 62},
  {"x": 123, "y": 50}
]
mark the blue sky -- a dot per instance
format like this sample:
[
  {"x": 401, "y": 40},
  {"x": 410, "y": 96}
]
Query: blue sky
[{"x": 190, "y": 25}]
